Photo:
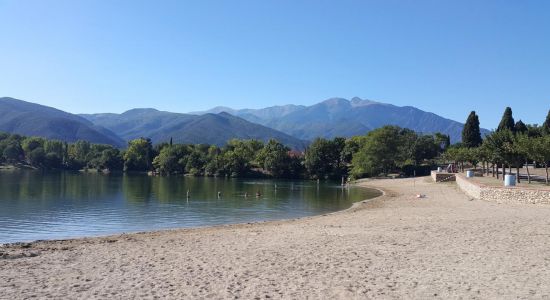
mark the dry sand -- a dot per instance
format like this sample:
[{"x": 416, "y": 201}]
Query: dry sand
[{"x": 396, "y": 246}]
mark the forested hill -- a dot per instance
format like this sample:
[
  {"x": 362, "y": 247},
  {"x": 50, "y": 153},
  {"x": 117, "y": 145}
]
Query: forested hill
[
  {"x": 293, "y": 125},
  {"x": 30, "y": 119},
  {"x": 213, "y": 129},
  {"x": 341, "y": 117}
]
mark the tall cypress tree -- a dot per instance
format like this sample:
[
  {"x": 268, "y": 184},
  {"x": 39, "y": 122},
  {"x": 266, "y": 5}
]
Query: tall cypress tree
[
  {"x": 507, "y": 121},
  {"x": 520, "y": 127},
  {"x": 471, "y": 135},
  {"x": 546, "y": 125}
]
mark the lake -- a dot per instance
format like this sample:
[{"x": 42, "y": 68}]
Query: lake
[{"x": 57, "y": 205}]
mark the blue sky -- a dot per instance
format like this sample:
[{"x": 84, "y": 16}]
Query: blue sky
[{"x": 447, "y": 57}]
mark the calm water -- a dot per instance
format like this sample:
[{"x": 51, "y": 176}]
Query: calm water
[{"x": 36, "y": 205}]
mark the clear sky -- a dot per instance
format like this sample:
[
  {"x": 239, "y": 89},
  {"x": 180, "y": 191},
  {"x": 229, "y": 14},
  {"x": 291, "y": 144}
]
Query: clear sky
[{"x": 447, "y": 57}]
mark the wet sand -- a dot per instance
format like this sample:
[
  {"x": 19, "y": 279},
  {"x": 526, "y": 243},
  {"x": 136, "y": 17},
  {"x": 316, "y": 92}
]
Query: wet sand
[{"x": 396, "y": 246}]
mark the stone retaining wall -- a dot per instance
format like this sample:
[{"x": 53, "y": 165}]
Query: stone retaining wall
[
  {"x": 468, "y": 187},
  {"x": 502, "y": 194},
  {"x": 442, "y": 176}
]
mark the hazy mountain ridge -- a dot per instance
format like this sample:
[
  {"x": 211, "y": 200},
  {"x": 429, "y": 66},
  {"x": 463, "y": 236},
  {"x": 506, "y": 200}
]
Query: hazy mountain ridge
[
  {"x": 291, "y": 124},
  {"x": 341, "y": 117},
  {"x": 30, "y": 119},
  {"x": 209, "y": 128}
]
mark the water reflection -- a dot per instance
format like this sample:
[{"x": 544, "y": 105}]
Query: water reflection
[{"x": 37, "y": 205}]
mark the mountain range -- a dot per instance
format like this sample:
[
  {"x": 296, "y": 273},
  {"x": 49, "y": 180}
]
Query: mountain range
[
  {"x": 293, "y": 125},
  {"x": 208, "y": 128},
  {"x": 30, "y": 119},
  {"x": 342, "y": 117}
]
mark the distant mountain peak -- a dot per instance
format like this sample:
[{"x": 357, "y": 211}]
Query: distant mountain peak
[
  {"x": 356, "y": 101},
  {"x": 336, "y": 101},
  {"x": 341, "y": 117},
  {"x": 214, "y": 128},
  {"x": 225, "y": 114},
  {"x": 215, "y": 110},
  {"x": 140, "y": 111}
]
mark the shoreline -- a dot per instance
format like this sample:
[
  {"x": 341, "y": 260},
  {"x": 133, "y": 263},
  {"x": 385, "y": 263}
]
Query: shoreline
[
  {"x": 442, "y": 246},
  {"x": 354, "y": 205}
]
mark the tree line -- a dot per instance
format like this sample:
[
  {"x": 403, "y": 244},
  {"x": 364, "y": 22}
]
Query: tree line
[
  {"x": 380, "y": 152},
  {"x": 389, "y": 149},
  {"x": 511, "y": 145}
]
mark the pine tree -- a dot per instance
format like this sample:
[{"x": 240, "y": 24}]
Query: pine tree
[
  {"x": 471, "y": 135},
  {"x": 507, "y": 121},
  {"x": 546, "y": 125},
  {"x": 520, "y": 127}
]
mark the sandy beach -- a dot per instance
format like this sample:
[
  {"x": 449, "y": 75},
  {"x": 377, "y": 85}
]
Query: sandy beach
[{"x": 443, "y": 246}]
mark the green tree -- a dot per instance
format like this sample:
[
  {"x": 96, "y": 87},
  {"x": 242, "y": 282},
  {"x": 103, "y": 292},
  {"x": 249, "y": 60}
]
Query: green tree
[
  {"x": 78, "y": 155},
  {"x": 31, "y": 143},
  {"x": 13, "y": 152},
  {"x": 471, "y": 134},
  {"x": 507, "y": 121},
  {"x": 425, "y": 147},
  {"x": 540, "y": 151},
  {"x": 458, "y": 155},
  {"x": 52, "y": 161},
  {"x": 172, "y": 159},
  {"x": 494, "y": 144},
  {"x": 325, "y": 158},
  {"x": 4, "y": 136},
  {"x": 352, "y": 146},
  {"x": 195, "y": 162},
  {"x": 139, "y": 155},
  {"x": 275, "y": 159},
  {"x": 340, "y": 157},
  {"x": 36, "y": 157},
  {"x": 316, "y": 161},
  {"x": 525, "y": 147},
  {"x": 534, "y": 130},
  {"x": 54, "y": 154},
  {"x": 235, "y": 163},
  {"x": 111, "y": 160},
  {"x": 514, "y": 156},
  {"x": 485, "y": 156},
  {"x": 473, "y": 156},
  {"x": 379, "y": 154},
  {"x": 546, "y": 124},
  {"x": 502, "y": 145},
  {"x": 54, "y": 146},
  {"x": 238, "y": 157},
  {"x": 520, "y": 127},
  {"x": 213, "y": 161},
  {"x": 442, "y": 140}
]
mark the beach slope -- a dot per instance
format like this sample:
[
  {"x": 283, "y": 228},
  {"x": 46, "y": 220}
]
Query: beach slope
[{"x": 396, "y": 246}]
